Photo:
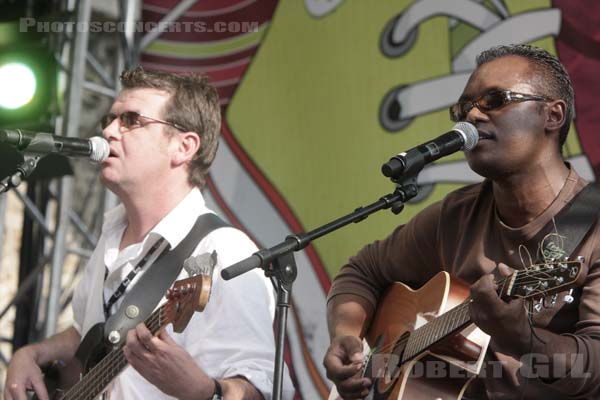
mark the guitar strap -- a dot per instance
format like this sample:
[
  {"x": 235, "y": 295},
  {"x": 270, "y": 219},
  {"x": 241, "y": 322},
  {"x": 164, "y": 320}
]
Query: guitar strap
[
  {"x": 573, "y": 223},
  {"x": 141, "y": 300}
]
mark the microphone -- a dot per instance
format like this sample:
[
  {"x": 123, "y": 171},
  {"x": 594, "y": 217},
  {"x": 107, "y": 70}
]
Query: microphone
[
  {"x": 463, "y": 136},
  {"x": 39, "y": 143}
]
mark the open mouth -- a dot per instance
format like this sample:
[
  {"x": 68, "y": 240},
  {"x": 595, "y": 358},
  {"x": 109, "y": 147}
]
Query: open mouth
[{"x": 485, "y": 136}]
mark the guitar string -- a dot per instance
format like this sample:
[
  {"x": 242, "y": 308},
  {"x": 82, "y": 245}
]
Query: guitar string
[
  {"x": 94, "y": 374},
  {"x": 116, "y": 359},
  {"x": 119, "y": 361},
  {"x": 528, "y": 276},
  {"x": 115, "y": 362},
  {"x": 107, "y": 363},
  {"x": 430, "y": 327},
  {"x": 426, "y": 332}
]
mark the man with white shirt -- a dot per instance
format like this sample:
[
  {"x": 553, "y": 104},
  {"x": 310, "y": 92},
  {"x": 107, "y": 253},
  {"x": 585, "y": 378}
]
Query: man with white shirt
[{"x": 163, "y": 133}]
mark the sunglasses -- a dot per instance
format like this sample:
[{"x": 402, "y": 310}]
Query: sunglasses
[
  {"x": 491, "y": 101},
  {"x": 132, "y": 119}
]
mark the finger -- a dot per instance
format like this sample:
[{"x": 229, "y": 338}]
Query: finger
[
  {"x": 336, "y": 371},
  {"x": 505, "y": 270},
  {"x": 354, "y": 388},
  {"x": 165, "y": 337},
  {"x": 17, "y": 391},
  {"x": 353, "y": 348},
  {"x": 485, "y": 287},
  {"x": 40, "y": 388},
  {"x": 134, "y": 359},
  {"x": 146, "y": 337},
  {"x": 133, "y": 343}
]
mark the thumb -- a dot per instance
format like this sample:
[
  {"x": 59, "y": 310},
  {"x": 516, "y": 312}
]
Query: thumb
[{"x": 353, "y": 347}]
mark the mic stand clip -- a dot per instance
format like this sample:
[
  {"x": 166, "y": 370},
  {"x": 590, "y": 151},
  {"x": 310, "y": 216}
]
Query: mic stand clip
[{"x": 24, "y": 169}]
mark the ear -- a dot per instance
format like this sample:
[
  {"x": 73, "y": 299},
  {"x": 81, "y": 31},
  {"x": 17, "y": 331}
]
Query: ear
[
  {"x": 187, "y": 145},
  {"x": 557, "y": 113}
]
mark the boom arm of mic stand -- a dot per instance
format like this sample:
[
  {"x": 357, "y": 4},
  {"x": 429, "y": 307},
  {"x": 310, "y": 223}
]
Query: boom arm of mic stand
[{"x": 263, "y": 258}]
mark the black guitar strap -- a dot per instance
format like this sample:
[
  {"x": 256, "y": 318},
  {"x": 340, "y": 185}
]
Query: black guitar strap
[
  {"x": 574, "y": 222},
  {"x": 141, "y": 300}
]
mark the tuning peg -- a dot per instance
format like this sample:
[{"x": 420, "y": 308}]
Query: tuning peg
[
  {"x": 569, "y": 297},
  {"x": 553, "y": 300},
  {"x": 537, "y": 307},
  {"x": 559, "y": 280},
  {"x": 581, "y": 259}
]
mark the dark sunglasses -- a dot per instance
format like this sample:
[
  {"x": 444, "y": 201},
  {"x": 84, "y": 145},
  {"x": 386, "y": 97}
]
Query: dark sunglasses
[
  {"x": 491, "y": 101},
  {"x": 132, "y": 119}
]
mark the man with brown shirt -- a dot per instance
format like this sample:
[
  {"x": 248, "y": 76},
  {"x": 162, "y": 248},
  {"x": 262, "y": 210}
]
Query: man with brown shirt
[{"x": 520, "y": 99}]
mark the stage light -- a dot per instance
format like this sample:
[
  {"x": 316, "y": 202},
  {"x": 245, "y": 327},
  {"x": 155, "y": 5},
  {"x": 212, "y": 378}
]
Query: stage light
[
  {"x": 28, "y": 79},
  {"x": 18, "y": 85}
]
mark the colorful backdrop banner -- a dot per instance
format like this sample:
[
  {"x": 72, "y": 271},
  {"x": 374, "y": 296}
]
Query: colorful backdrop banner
[{"x": 316, "y": 95}]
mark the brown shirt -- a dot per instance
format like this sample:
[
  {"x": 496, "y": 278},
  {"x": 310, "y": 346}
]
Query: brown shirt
[{"x": 464, "y": 236}]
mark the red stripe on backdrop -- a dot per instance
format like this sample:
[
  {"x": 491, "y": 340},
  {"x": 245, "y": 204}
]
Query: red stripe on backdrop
[
  {"x": 216, "y": 27},
  {"x": 231, "y": 216},
  {"x": 204, "y": 5},
  {"x": 206, "y": 61},
  {"x": 226, "y": 74},
  {"x": 277, "y": 201},
  {"x": 578, "y": 44}
]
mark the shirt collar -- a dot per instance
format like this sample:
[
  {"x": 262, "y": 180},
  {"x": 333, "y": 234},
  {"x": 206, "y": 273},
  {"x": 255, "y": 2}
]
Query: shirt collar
[
  {"x": 177, "y": 223},
  {"x": 173, "y": 227}
]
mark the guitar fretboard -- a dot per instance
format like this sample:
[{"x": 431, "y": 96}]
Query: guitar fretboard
[
  {"x": 95, "y": 381},
  {"x": 429, "y": 334}
]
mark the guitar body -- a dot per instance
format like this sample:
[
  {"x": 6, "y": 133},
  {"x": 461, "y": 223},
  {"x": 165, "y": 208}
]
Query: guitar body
[
  {"x": 428, "y": 376},
  {"x": 59, "y": 378},
  {"x": 402, "y": 310}
]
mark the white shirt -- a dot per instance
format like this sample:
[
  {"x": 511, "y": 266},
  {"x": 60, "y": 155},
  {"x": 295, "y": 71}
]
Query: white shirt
[{"x": 233, "y": 336}]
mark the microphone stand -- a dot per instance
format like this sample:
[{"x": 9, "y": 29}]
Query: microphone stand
[
  {"x": 279, "y": 262},
  {"x": 24, "y": 169}
]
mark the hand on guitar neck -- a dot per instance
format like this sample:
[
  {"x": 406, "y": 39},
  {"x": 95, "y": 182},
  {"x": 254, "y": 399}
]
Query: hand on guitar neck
[
  {"x": 167, "y": 365},
  {"x": 505, "y": 320}
]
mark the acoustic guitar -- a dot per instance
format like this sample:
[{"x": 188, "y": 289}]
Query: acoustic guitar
[{"x": 422, "y": 342}]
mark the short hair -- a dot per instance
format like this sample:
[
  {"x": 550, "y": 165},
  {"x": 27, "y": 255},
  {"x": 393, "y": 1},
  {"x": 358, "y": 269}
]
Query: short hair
[
  {"x": 194, "y": 105},
  {"x": 557, "y": 82}
]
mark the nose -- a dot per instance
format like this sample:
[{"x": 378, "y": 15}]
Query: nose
[
  {"x": 112, "y": 130},
  {"x": 475, "y": 115}
]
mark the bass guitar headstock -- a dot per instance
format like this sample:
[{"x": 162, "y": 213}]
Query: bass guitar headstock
[{"x": 186, "y": 297}]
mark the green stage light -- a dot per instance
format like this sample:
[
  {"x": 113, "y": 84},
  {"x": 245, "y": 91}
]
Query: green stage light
[
  {"x": 19, "y": 85},
  {"x": 28, "y": 78}
]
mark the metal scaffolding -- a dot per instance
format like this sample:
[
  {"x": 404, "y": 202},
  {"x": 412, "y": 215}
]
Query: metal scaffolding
[
  {"x": 67, "y": 223},
  {"x": 84, "y": 75}
]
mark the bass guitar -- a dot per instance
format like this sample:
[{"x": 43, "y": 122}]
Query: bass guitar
[{"x": 97, "y": 362}]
